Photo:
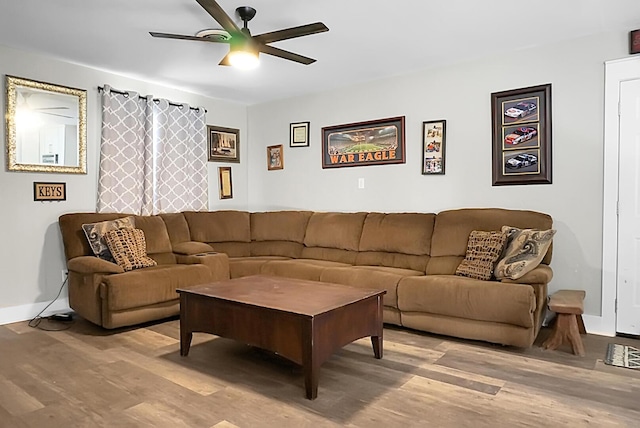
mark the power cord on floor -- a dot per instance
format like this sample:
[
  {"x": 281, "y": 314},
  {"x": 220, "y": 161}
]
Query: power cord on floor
[{"x": 35, "y": 321}]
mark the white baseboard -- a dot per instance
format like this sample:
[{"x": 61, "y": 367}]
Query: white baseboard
[
  {"x": 26, "y": 312},
  {"x": 598, "y": 325},
  {"x": 593, "y": 324}
]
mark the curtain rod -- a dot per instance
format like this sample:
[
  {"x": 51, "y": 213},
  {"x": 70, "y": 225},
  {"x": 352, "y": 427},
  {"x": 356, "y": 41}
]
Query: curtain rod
[{"x": 101, "y": 89}]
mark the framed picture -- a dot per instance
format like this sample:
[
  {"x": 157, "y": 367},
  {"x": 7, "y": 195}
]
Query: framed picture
[
  {"x": 634, "y": 42},
  {"x": 434, "y": 135},
  {"x": 299, "y": 134},
  {"x": 375, "y": 142},
  {"x": 275, "y": 157},
  {"x": 49, "y": 191},
  {"x": 224, "y": 144},
  {"x": 226, "y": 186},
  {"x": 522, "y": 136}
]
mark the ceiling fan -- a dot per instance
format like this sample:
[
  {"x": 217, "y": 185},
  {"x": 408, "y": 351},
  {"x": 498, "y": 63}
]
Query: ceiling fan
[
  {"x": 24, "y": 97},
  {"x": 244, "y": 47}
]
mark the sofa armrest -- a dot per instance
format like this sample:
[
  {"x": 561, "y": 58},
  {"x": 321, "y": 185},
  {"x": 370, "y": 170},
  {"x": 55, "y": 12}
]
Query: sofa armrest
[
  {"x": 218, "y": 263},
  {"x": 191, "y": 247},
  {"x": 542, "y": 274},
  {"x": 92, "y": 264}
]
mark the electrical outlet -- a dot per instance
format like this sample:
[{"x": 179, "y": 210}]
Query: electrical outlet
[
  {"x": 64, "y": 275},
  {"x": 360, "y": 183}
]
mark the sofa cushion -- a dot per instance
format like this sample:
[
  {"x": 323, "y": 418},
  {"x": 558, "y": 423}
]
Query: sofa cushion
[
  {"x": 155, "y": 232},
  {"x": 406, "y": 233},
  {"x": 483, "y": 250},
  {"x": 299, "y": 268},
  {"x": 219, "y": 226},
  {"x": 276, "y": 248},
  {"x": 468, "y": 298},
  {"x": 370, "y": 277},
  {"x": 394, "y": 260},
  {"x": 329, "y": 254},
  {"x": 177, "y": 227},
  {"x": 279, "y": 226},
  {"x": 131, "y": 289},
  {"x": 128, "y": 248},
  {"x": 95, "y": 233},
  {"x": 452, "y": 228},
  {"x": 524, "y": 252},
  {"x": 192, "y": 247},
  {"x": 74, "y": 239},
  {"x": 247, "y": 266},
  {"x": 233, "y": 249},
  {"x": 335, "y": 230}
]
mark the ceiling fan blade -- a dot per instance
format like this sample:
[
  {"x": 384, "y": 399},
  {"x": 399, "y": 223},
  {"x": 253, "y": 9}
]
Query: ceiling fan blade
[
  {"x": 209, "y": 39},
  {"x": 220, "y": 16},
  {"x": 270, "y": 50},
  {"x": 291, "y": 33},
  {"x": 55, "y": 114},
  {"x": 51, "y": 108},
  {"x": 225, "y": 61}
]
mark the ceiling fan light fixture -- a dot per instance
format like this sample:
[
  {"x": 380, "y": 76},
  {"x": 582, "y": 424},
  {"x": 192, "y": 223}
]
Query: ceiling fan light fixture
[
  {"x": 243, "y": 56},
  {"x": 245, "y": 47}
]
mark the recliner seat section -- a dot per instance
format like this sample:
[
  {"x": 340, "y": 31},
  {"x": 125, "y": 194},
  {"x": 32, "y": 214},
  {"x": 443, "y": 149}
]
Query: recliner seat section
[
  {"x": 413, "y": 256},
  {"x": 103, "y": 293}
]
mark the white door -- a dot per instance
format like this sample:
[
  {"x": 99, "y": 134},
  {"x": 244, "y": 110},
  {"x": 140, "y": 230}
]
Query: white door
[{"x": 628, "y": 296}]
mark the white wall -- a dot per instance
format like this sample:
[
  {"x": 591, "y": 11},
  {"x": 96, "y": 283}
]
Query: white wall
[
  {"x": 31, "y": 255},
  {"x": 461, "y": 94},
  {"x": 31, "y": 252}
]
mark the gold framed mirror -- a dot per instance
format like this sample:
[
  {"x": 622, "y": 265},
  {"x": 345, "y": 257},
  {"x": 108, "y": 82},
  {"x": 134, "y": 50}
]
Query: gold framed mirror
[{"x": 46, "y": 127}]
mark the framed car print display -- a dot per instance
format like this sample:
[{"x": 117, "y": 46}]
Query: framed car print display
[
  {"x": 433, "y": 146},
  {"x": 521, "y": 128}
]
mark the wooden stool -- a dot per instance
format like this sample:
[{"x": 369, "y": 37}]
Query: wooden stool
[{"x": 569, "y": 305}]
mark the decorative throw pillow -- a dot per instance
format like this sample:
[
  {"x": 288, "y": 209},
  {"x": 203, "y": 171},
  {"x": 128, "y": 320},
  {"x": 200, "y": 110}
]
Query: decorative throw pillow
[
  {"x": 95, "y": 235},
  {"x": 524, "y": 251},
  {"x": 129, "y": 248},
  {"x": 483, "y": 250}
]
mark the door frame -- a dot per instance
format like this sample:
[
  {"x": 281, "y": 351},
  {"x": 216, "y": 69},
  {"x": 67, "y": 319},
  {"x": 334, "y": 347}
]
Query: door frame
[{"x": 615, "y": 72}]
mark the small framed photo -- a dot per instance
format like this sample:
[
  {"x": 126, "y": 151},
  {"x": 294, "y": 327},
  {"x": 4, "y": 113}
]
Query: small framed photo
[
  {"x": 521, "y": 128},
  {"x": 634, "y": 42},
  {"x": 434, "y": 135},
  {"x": 275, "y": 157},
  {"x": 224, "y": 144},
  {"x": 226, "y": 186},
  {"x": 299, "y": 134}
]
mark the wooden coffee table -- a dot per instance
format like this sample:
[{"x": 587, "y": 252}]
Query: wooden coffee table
[{"x": 303, "y": 321}]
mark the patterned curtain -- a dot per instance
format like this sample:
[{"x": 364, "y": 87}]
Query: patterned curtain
[
  {"x": 180, "y": 158},
  {"x": 152, "y": 156}
]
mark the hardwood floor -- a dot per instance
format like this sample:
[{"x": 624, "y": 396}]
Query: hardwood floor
[{"x": 89, "y": 377}]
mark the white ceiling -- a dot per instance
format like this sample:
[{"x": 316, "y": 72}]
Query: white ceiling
[{"x": 368, "y": 39}]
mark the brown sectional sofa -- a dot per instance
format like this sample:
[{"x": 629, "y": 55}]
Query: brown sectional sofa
[{"x": 411, "y": 255}]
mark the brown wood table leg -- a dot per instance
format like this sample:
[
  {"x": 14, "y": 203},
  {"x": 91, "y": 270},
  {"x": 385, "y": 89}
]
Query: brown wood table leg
[
  {"x": 565, "y": 330},
  {"x": 310, "y": 362},
  {"x": 185, "y": 328},
  {"x": 185, "y": 342},
  {"x": 376, "y": 341},
  {"x": 574, "y": 336},
  {"x": 581, "y": 328},
  {"x": 311, "y": 372}
]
